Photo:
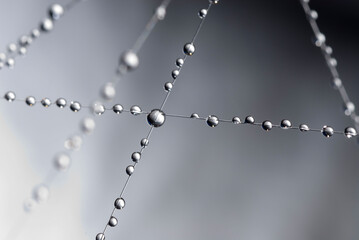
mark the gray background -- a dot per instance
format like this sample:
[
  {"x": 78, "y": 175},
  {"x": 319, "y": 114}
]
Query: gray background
[{"x": 194, "y": 182}]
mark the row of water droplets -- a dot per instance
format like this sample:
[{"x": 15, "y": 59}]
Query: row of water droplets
[{"x": 327, "y": 51}]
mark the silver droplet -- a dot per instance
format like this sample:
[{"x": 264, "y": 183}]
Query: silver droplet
[
  {"x": 62, "y": 162},
  {"x": 88, "y": 125},
  {"x": 327, "y": 131},
  {"x": 329, "y": 50},
  {"x": 156, "y": 118},
  {"x": 56, "y": 11},
  {"x": 212, "y": 121},
  {"x": 350, "y": 132},
  {"x": 136, "y": 156},
  {"x": 179, "y": 62},
  {"x": 31, "y": 101},
  {"x": 10, "y": 96},
  {"x": 120, "y": 203},
  {"x": 202, "y": 13},
  {"x": 29, "y": 205},
  {"x": 135, "y": 110},
  {"x": 41, "y": 194},
  {"x": 98, "y": 108},
  {"x": 129, "y": 61},
  {"x": 267, "y": 125},
  {"x": 189, "y": 49},
  {"x": 129, "y": 170},
  {"x": 35, "y": 33},
  {"x": 25, "y": 41},
  {"x": 337, "y": 83},
  {"x": 175, "y": 73},
  {"x": 213, "y": 1},
  {"x": 2, "y": 57},
  {"x": 285, "y": 124},
  {"x": 12, "y": 48},
  {"x": 46, "y": 25},
  {"x": 10, "y": 63},
  {"x": 108, "y": 92},
  {"x": 313, "y": 14},
  {"x": 144, "y": 142},
  {"x": 333, "y": 62},
  {"x": 303, "y": 128},
  {"x": 249, "y": 119},
  {"x": 320, "y": 39},
  {"x": 118, "y": 108},
  {"x": 194, "y": 115},
  {"x": 73, "y": 143},
  {"x": 75, "y": 106},
  {"x": 100, "y": 236},
  {"x": 161, "y": 12},
  {"x": 112, "y": 222},
  {"x": 61, "y": 102},
  {"x": 46, "y": 102},
  {"x": 168, "y": 86},
  {"x": 23, "y": 51},
  {"x": 349, "y": 108},
  {"x": 236, "y": 120}
]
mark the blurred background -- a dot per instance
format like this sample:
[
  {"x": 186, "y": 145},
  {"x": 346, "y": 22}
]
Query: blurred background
[{"x": 193, "y": 182}]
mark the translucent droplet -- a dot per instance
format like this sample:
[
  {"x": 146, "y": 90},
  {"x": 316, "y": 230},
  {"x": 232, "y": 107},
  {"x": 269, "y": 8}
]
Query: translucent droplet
[
  {"x": 179, "y": 62},
  {"x": 156, "y": 118},
  {"x": 350, "y": 132},
  {"x": 202, "y": 13},
  {"x": 327, "y": 131},
  {"x": 56, "y": 11},
  {"x": 189, "y": 49},
  {"x": 73, "y": 143},
  {"x": 144, "y": 142},
  {"x": 10, "y": 96},
  {"x": 23, "y": 51},
  {"x": 35, "y": 33},
  {"x": 136, "y": 156},
  {"x": 168, "y": 86},
  {"x": 46, "y": 102},
  {"x": 249, "y": 119},
  {"x": 129, "y": 61},
  {"x": 118, "y": 108},
  {"x": 349, "y": 108},
  {"x": 31, "y": 101},
  {"x": 236, "y": 120},
  {"x": 46, "y": 25},
  {"x": 25, "y": 41},
  {"x": 175, "y": 73},
  {"x": 75, "y": 106},
  {"x": 303, "y": 128},
  {"x": 120, "y": 203},
  {"x": 61, "y": 102},
  {"x": 129, "y": 170},
  {"x": 88, "y": 125},
  {"x": 212, "y": 121},
  {"x": 41, "y": 194},
  {"x": 98, "y": 108},
  {"x": 161, "y": 12},
  {"x": 194, "y": 115},
  {"x": 100, "y": 236},
  {"x": 108, "y": 92},
  {"x": 135, "y": 110},
  {"x": 2, "y": 57},
  {"x": 112, "y": 222},
  {"x": 12, "y": 48},
  {"x": 62, "y": 162},
  {"x": 285, "y": 124},
  {"x": 267, "y": 125},
  {"x": 10, "y": 63}
]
